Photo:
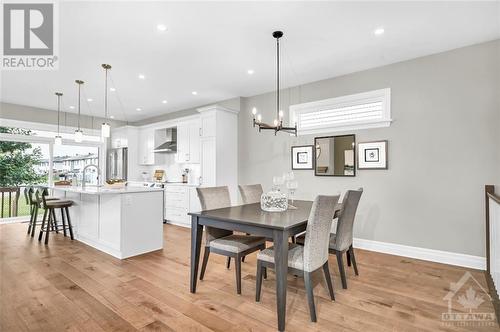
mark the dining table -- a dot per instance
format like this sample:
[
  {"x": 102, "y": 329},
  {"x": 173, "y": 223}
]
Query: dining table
[{"x": 251, "y": 219}]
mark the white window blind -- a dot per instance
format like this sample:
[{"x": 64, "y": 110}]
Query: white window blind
[{"x": 359, "y": 111}]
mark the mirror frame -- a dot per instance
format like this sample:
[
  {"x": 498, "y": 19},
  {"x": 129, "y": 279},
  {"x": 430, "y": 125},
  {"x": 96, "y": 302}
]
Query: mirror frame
[{"x": 316, "y": 161}]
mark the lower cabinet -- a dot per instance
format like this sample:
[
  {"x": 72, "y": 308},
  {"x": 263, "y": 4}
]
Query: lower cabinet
[{"x": 179, "y": 201}]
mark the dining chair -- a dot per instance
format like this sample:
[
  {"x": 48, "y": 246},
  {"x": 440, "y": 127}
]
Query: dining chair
[
  {"x": 341, "y": 240},
  {"x": 312, "y": 256},
  {"x": 250, "y": 193},
  {"x": 221, "y": 241}
]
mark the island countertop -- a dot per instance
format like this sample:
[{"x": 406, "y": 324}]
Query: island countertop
[{"x": 94, "y": 190}]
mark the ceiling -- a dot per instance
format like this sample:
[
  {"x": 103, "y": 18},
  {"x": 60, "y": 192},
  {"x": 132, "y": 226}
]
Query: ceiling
[{"x": 208, "y": 47}]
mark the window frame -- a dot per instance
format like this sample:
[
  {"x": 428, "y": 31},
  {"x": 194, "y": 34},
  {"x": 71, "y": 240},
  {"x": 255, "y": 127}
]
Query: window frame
[
  {"x": 381, "y": 95},
  {"x": 102, "y": 146}
]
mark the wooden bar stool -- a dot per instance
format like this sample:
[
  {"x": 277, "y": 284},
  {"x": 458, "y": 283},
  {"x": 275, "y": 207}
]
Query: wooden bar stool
[
  {"x": 49, "y": 222},
  {"x": 33, "y": 199}
]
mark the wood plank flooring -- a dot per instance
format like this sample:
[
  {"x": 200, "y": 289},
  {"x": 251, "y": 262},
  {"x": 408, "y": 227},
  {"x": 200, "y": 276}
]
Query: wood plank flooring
[{"x": 68, "y": 286}]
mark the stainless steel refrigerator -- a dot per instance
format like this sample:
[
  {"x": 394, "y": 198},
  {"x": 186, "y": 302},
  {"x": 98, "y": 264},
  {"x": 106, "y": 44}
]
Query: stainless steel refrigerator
[{"x": 117, "y": 164}]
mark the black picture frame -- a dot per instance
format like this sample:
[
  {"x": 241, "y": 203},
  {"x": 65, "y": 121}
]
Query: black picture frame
[
  {"x": 354, "y": 156},
  {"x": 300, "y": 150}
]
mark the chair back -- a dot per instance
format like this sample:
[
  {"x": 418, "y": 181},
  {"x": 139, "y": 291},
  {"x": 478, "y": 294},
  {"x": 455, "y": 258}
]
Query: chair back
[
  {"x": 26, "y": 198},
  {"x": 345, "y": 225},
  {"x": 250, "y": 193},
  {"x": 212, "y": 198},
  {"x": 318, "y": 232},
  {"x": 40, "y": 195}
]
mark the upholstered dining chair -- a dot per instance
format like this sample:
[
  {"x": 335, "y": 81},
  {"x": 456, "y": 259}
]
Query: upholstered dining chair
[
  {"x": 221, "y": 241},
  {"x": 250, "y": 193},
  {"x": 341, "y": 240},
  {"x": 307, "y": 259}
]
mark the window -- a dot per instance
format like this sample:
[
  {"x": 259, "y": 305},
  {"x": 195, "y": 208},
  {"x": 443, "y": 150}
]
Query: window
[{"x": 360, "y": 111}]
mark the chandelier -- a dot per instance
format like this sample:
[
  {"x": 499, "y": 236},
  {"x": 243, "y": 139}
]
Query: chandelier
[{"x": 278, "y": 121}]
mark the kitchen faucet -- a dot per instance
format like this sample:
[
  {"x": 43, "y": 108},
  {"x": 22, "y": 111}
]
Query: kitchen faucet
[{"x": 85, "y": 170}]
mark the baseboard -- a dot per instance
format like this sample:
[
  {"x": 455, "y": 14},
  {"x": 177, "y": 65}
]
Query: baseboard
[{"x": 438, "y": 256}]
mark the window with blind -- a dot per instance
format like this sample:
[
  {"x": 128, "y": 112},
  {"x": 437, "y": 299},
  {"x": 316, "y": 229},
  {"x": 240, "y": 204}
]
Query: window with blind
[{"x": 360, "y": 111}]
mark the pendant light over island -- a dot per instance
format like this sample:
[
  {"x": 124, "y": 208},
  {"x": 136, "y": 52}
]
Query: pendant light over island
[{"x": 79, "y": 132}]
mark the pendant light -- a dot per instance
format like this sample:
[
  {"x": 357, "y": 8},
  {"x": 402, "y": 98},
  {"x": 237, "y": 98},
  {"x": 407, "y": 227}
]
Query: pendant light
[
  {"x": 278, "y": 121},
  {"x": 79, "y": 132},
  {"x": 58, "y": 138},
  {"x": 105, "y": 128}
]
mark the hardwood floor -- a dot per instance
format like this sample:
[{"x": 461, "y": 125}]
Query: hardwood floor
[{"x": 67, "y": 285}]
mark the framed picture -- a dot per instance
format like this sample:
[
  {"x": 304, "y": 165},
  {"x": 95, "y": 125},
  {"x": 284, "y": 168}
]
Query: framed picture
[
  {"x": 372, "y": 155},
  {"x": 302, "y": 157}
]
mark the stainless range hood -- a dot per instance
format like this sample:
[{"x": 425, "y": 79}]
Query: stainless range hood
[{"x": 166, "y": 140}]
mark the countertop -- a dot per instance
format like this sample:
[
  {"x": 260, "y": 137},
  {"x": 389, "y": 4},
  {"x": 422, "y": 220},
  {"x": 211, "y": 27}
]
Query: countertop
[{"x": 93, "y": 190}]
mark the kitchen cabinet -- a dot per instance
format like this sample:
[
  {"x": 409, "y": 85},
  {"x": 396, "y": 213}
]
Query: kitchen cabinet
[
  {"x": 179, "y": 201},
  {"x": 188, "y": 142},
  {"x": 219, "y": 148},
  {"x": 146, "y": 155}
]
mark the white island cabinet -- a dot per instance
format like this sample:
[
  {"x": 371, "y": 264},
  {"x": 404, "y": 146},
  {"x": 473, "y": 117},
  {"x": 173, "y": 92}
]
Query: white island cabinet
[{"x": 120, "y": 222}]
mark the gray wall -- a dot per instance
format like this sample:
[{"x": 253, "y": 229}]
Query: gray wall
[
  {"x": 443, "y": 148},
  {"x": 33, "y": 114}
]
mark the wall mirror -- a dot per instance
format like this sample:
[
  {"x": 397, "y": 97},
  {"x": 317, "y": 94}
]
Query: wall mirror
[{"x": 335, "y": 155}]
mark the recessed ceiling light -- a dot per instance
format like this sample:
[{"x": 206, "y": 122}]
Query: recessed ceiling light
[
  {"x": 72, "y": 107},
  {"x": 194, "y": 93},
  {"x": 378, "y": 31},
  {"x": 250, "y": 71},
  {"x": 112, "y": 89},
  {"x": 111, "y": 116},
  {"x": 161, "y": 27},
  {"x": 141, "y": 76},
  {"x": 90, "y": 99},
  {"x": 164, "y": 101},
  {"x": 138, "y": 109}
]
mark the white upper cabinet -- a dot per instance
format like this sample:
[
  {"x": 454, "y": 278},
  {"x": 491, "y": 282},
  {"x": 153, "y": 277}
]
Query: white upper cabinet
[
  {"x": 208, "y": 125},
  {"x": 188, "y": 142},
  {"x": 146, "y": 155}
]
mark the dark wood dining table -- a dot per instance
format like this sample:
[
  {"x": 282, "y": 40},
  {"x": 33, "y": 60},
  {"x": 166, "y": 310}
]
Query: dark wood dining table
[{"x": 249, "y": 218}]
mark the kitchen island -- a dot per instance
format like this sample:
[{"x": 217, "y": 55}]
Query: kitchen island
[{"x": 121, "y": 222}]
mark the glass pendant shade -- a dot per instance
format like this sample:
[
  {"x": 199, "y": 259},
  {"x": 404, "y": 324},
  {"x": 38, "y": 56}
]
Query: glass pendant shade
[
  {"x": 78, "y": 136},
  {"x": 58, "y": 140},
  {"x": 105, "y": 130}
]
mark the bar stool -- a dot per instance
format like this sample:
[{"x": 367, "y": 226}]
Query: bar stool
[
  {"x": 35, "y": 204},
  {"x": 49, "y": 222}
]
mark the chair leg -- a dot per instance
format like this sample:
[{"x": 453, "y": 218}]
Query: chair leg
[
  {"x": 243, "y": 259},
  {"x": 54, "y": 221},
  {"x": 341, "y": 269},
  {"x": 310, "y": 295},
  {"x": 264, "y": 272},
  {"x": 44, "y": 220},
  {"x": 328, "y": 279},
  {"x": 35, "y": 217},
  {"x": 258, "y": 281},
  {"x": 348, "y": 256},
  {"x": 63, "y": 222},
  {"x": 32, "y": 210},
  {"x": 204, "y": 263},
  {"x": 237, "y": 264},
  {"x": 353, "y": 258},
  {"x": 49, "y": 225},
  {"x": 228, "y": 264},
  {"x": 69, "y": 223}
]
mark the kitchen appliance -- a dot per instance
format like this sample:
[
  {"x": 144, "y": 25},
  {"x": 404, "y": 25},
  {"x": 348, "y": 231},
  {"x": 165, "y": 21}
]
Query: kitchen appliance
[
  {"x": 117, "y": 164},
  {"x": 165, "y": 140},
  {"x": 159, "y": 175}
]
